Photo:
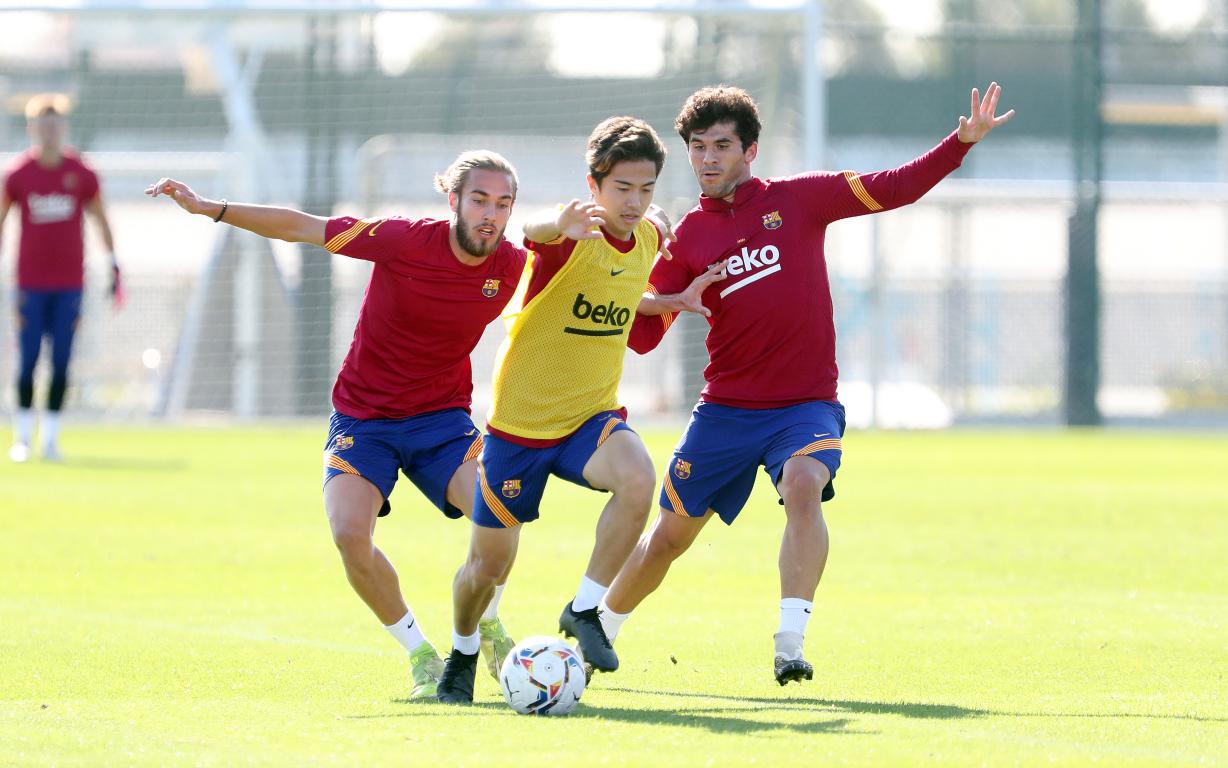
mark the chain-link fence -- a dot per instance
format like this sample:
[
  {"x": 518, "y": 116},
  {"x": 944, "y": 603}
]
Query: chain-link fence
[{"x": 953, "y": 310}]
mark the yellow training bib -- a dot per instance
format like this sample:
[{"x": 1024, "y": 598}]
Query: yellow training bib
[{"x": 563, "y": 356}]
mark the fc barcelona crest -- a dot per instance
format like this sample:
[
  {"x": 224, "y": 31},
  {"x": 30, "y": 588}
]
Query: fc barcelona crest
[
  {"x": 342, "y": 442},
  {"x": 490, "y": 288},
  {"x": 682, "y": 469},
  {"x": 772, "y": 220},
  {"x": 511, "y": 488}
]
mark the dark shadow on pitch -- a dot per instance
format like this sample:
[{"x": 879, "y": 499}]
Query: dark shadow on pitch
[
  {"x": 800, "y": 703},
  {"x": 714, "y": 719},
  {"x": 908, "y": 709}
]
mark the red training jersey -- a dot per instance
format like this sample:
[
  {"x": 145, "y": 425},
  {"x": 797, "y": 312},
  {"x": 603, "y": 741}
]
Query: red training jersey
[
  {"x": 422, "y": 315},
  {"x": 772, "y": 335},
  {"x": 51, "y": 254}
]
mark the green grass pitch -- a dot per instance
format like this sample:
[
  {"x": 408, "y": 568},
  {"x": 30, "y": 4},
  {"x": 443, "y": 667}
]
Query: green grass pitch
[{"x": 172, "y": 597}]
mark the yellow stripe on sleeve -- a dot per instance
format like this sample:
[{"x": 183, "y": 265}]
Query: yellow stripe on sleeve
[
  {"x": 342, "y": 239},
  {"x": 859, "y": 191}
]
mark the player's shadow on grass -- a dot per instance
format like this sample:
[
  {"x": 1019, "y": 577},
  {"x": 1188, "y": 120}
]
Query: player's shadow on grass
[
  {"x": 802, "y": 703},
  {"x": 907, "y": 709},
  {"x": 715, "y": 719}
]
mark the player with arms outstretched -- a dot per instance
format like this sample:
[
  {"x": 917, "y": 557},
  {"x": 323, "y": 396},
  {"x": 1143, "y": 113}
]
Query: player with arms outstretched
[
  {"x": 54, "y": 186},
  {"x": 770, "y": 396},
  {"x": 555, "y": 409},
  {"x": 402, "y": 398}
]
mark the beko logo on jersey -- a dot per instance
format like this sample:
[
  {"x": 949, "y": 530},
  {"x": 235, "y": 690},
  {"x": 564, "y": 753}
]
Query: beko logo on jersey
[
  {"x": 50, "y": 208},
  {"x": 757, "y": 263},
  {"x": 601, "y": 314},
  {"x": 748, "y": 260}
]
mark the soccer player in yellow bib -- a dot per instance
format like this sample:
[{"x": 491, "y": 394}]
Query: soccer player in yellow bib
[{"x": 555, "y": 407}]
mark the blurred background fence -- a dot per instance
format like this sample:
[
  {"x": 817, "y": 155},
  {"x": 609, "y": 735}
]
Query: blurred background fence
[{"x": 964, "y": 308}]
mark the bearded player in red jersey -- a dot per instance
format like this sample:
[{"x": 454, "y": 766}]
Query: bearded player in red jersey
[
  {"x": 53, "y": 186},
  {"x": 403, "y": 394},
  {"x": 770, "y": 397}
]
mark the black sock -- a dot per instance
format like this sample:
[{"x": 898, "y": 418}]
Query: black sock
[
  {"x": 55, "y": 395},
  {"x": 25, "y": 393}
]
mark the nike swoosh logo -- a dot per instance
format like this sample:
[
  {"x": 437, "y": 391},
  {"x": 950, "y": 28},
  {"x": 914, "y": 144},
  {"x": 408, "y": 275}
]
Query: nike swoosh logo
[
  {"x": 410, "y": 625},
  {"x": 807, "y": 610},
  {"x": 616, "y": 273},
  {"x": 825, "y": 434},
  {"x": 371, "y": 232},
  {"x": 471, "y": 433}
]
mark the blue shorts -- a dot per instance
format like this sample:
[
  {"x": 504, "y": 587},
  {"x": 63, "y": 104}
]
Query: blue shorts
[
  {"x": 512, "y": 477},
  {"x": 428, "y": 448},
  {"x": 47, "y": 313},
  {"x": 714, "y": 464}
]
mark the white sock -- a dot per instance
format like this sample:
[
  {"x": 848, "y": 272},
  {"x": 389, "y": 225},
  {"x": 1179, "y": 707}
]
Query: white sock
[
  {"x": 588, "y": 595},
  {"x": 50, "y": 428},
  {"x": 407, "y": 632},
  {"x": 492, "y": 608},
  {"x": 466, "y": 644},
  {"x": 794, "y": 615},
  {"x": 23, "y": 425},
  {"x": 611, "y": 621}
]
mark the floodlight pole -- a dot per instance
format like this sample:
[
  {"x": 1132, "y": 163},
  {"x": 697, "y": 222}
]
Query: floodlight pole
[
  {"x": 814, "y": 89},
  {"x": 315, "y": 299},
  {"x": 1082, "y": 286}
]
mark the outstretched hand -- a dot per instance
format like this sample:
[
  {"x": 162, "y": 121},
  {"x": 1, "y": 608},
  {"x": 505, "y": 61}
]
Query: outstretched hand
[
  {"x": 692, "y": 299},
  {"x": 179, "y": 192},
  {"x": 581, "y": 221},
  {"x": 974, "y": 128}
]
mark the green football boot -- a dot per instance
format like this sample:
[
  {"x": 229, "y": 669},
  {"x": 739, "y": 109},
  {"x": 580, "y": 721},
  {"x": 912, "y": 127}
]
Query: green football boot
[
  {"x": 496, "y": 644},
  {"x": 425, "y": 667}
]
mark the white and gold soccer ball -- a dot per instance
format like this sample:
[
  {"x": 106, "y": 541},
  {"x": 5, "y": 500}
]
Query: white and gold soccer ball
[{"x": 542, "y": 676}]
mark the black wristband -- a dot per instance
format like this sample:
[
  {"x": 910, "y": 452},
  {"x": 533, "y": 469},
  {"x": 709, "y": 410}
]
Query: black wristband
[{"x": 221, "y": 213}]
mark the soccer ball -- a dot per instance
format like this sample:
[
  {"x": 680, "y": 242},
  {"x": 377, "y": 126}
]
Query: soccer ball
[{"x": 542, "y": 676}]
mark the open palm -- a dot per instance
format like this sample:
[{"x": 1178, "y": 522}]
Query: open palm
[{"x": 973, "y": 129}]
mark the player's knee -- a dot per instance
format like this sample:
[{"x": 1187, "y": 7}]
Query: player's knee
[
  {"x": 804, "y": 486},
  {"x": 354, "y": 542},
  {"x": 484, "y": 569},
  {"x": 666, "y": 544},
  {"x": 637, "y": 481}
]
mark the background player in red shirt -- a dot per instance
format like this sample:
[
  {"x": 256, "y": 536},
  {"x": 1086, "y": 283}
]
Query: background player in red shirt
[
  {"x": 54, "y": 186},
  {"x": 402, "y": 396},
  {"x": 770, "y": 396}
]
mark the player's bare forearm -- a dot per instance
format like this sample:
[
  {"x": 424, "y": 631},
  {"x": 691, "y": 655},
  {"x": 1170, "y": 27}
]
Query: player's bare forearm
[
  {"x": 264, "y": 220},
  {"x": 274, "y": 222},
  {"x": 99, "y": 215},
  {"x": 690, "y": 300},
  {"x": 5, "y": 204},
  {"x": 542, "y": 227},
  {"x": 576, "y": 221},
  {"x": 659, "y": 304}
]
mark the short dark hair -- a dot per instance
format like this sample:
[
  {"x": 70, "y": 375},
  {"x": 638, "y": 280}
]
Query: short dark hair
[
  {"x": 619, "y": 139},
  {"x": 720, "y": 104},
  {"x": 453, "y": 179}
]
